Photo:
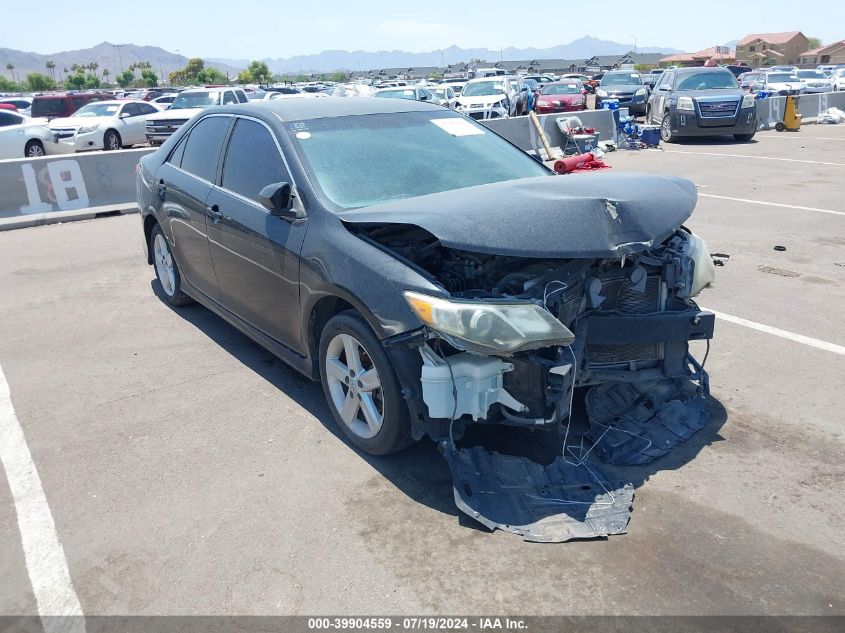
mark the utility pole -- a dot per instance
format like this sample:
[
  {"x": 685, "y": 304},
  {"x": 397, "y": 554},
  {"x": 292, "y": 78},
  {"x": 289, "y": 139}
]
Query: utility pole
[
  {"x": 634, "y": 37},
  {"x": 119, "y": 60}
]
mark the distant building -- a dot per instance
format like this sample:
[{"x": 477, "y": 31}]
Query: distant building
[
  {"x": 716, "y": 53},
  {"x": 823, "y": 55},
  {"x": 772, "y": 49}
]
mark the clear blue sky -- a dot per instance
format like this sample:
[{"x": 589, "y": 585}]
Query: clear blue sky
[{"x": 256, "y": 29}]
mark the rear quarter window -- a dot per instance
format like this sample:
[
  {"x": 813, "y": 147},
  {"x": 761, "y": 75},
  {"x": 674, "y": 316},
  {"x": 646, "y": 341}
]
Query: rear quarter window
[{"x": 53, "y": 106}]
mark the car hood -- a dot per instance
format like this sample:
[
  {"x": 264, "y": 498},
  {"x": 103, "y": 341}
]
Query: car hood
[
  {"x": 579, "y": 215},
  {"x": 622, "y": 88},
  {"x": 567, "y": 98},
  {"x": 181, "y": 113},
  {"x": 482, "y": 98},
  {"x": 78, "y": 121},
  {"x": 721, "y": 93}
]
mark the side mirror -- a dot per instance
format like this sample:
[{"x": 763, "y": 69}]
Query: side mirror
[
  {"x": 124, "y": 115},
  {"x": 276, "y": 198}
]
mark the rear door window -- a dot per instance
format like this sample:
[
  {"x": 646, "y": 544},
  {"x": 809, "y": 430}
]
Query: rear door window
[
  {"x": 241, "y": 96},
  {"x": 252, "y": 160},
  {"x": 229, "y": 97},
  {"x": 7, "y": 118},
  {"x": 203, "y": 147}
]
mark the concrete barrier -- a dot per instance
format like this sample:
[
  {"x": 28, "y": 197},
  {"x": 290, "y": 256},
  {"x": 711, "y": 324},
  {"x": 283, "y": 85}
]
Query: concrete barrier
[
  {"x": 519, "y": 130},
  {"x": 68, "y": 184}
]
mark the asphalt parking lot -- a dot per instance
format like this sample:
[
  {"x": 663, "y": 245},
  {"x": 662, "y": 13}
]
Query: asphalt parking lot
[{"x": 189, "y": 472}]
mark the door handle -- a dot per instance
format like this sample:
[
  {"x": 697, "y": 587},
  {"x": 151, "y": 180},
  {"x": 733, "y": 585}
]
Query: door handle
[
  {"x": 161, "y": 189},
  {"x": 214, "y": 214}
]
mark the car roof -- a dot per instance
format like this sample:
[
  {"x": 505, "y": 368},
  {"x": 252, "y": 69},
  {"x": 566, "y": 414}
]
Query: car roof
[
  {"x": 304, "y": 108},
  {"x": 702, "y": 69}
]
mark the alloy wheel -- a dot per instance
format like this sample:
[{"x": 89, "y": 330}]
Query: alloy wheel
[
  {"x": 164, "y": 265},
  {"x": 35, "y": 150},
  {"x": 355, "y": 386}
]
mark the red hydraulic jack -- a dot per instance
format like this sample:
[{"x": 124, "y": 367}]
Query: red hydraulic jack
[{"x": 791, "y": 116}]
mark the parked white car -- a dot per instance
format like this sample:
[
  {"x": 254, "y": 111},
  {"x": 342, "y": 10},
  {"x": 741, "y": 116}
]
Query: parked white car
[
  {"x": 164, "y": 101},
  {"x": 490, "y": 97},
  {"x": 782, "y": 83},
  {"x": 106, "y": 125},
  {"x": 22, "y": 137},
  {"x": 446, "y": 95},
  {"x": 816, "y": 81},
  {"x": 23, "y": 104},
  {"x": 838, "y": 78},
  {"x": 188, "y": 103}
]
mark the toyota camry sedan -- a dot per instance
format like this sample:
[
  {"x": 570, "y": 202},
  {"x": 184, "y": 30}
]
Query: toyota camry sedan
[{"x": 432, "y": 276}]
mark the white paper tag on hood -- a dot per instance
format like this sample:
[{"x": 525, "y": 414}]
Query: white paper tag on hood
[{"x": 457, "y": 126}]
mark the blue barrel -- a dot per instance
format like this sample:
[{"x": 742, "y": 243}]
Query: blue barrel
[
  {"x": 610, "y": 104},
  {"x": 650, "y": 135}
]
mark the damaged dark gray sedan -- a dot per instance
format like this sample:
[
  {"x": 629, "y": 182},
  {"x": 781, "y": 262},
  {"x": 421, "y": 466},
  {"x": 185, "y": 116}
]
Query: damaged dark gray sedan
[{"x": 433, "y": 276}]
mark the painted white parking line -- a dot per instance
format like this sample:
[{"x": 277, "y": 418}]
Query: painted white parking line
[
  {"x": 788, "y": 160},
  {"x": 45, "y": 558},
  {"x": 771, "y": 204},
  {"x": 792, "y": 336},
  {"x": 799, "y": 137}
]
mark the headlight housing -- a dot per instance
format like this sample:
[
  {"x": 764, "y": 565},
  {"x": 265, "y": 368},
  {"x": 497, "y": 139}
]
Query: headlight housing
[
  {"x": 748, "y": 101},
  {"x": 601, "y": 93},
  {"x": 87, "y": 128},
  {"x": 489, "y": 328},
  {"x": 641, "y": 92},
  {"x": 685, "y": 103}
]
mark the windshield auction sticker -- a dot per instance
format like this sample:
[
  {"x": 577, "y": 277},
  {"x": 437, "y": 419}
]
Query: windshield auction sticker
[{"x": 457, "y": 127}]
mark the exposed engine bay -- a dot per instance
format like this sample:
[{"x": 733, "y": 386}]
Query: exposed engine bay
[{"x": 518, "y": 335}]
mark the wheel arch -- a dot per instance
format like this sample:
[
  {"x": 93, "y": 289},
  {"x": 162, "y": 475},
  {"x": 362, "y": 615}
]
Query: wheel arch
[
  {"x": 320, "y": 313},
  {"x": 150, "y": 222}
]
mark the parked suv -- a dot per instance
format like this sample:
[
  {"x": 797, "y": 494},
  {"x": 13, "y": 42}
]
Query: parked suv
[
  {"x": 64, "y": 104},
  {"x": 625, "y": 86},
  {"x": 189, "y": 102},
  {"x": 701, "y": 102},
  {"x": 493, "y": 97}
]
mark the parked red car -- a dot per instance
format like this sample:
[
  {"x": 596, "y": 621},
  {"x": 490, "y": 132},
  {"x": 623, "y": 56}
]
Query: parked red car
[{"x": 561, "y": 96}]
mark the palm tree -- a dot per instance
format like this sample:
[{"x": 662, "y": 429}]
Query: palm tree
[
  {"x": 93, "y": 66},
  {"x": 106, "y": 73},
  {"x": 11, "y": 68},
  {"x": 51, "y": 66}
]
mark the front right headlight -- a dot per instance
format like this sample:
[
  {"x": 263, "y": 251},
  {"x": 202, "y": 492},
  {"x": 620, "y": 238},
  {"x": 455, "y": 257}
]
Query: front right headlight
[
  {"x": 685, "y": 103},
  {"x": 490, "y": 328},
  {"x": 748, "y": 101}
]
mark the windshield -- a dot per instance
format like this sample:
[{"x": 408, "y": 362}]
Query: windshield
[
  {"x": 97, "y": 109},
  {"x": 811, "y": 74},
  {"x": 396, "y": 94},
  {"x": 778, "y": 78},
  {"x": 483, "y": 88},
  {"x": 357, "y": 161},
  {"x": 621, "y": 79},
  {"x": 440, "y": 92},
  {"x": 562, "y": 89},
  {"x": 707, "y": 81},
  {"x": 195, "y": 100}
]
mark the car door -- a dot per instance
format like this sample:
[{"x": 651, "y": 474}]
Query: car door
[
  {"x": 131, "y": 124},
  {"x": 256, "y": 254},
  {"x": 660, "y": 96},
  {"x": 12, "y": 135},
  {"x": 185, "y": 180}
]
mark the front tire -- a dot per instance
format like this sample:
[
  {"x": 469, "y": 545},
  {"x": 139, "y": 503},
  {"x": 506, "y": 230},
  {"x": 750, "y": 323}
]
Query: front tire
[
  {"x": 34, "y": 149},
  {"x": 361, "y": 387},
  {"x": 743, "y": 138},
  {"x": 666, "y": 134},
  {"x": 111, "y": 140},
  {"x": 167, "y": 271}
]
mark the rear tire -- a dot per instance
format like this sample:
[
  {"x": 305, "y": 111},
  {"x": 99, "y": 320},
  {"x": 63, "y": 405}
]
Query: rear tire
[
  {"x": 361, "y": 387},
  {"x": 111, "y": 140},
  {"x": 167, "y": 271},
  {"x": 33, "y": 149}
]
